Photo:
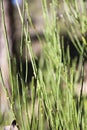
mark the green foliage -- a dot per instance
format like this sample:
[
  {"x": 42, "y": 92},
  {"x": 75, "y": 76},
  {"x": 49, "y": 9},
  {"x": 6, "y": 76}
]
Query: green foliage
[{"x": 49, "y": 101}]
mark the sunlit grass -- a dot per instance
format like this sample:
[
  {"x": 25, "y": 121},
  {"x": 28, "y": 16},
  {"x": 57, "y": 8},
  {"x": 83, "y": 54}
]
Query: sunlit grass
[{"x": 49, "y": 101}]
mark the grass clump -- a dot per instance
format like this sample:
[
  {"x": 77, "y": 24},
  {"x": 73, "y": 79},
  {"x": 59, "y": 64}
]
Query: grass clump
[{"x": 49, "y": 101}]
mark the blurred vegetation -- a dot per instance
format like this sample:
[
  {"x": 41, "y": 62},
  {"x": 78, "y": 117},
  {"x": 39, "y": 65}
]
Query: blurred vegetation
[{"x": 50, "y": 101}]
